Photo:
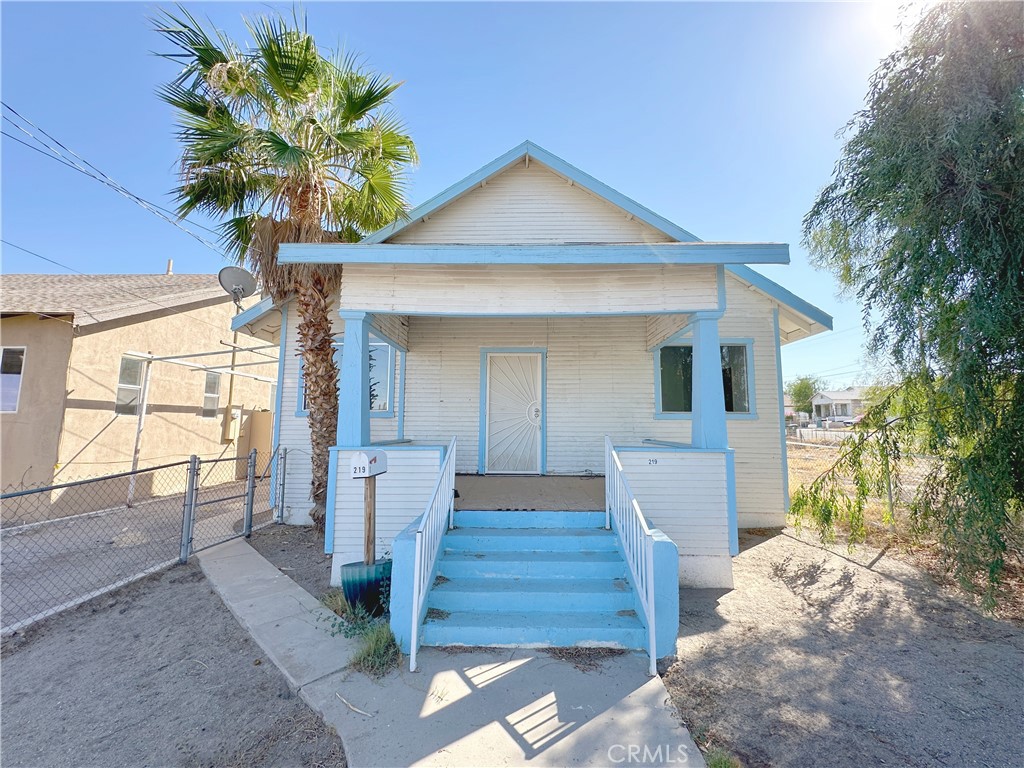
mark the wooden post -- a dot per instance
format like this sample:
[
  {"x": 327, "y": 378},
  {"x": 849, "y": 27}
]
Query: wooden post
[{"x": 370, "y": 520}]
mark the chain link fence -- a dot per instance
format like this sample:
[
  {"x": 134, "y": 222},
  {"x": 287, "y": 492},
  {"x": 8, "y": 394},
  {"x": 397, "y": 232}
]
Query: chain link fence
[
  {"x": 61, "y": 545},
  {"x": 809, "y": 460}
]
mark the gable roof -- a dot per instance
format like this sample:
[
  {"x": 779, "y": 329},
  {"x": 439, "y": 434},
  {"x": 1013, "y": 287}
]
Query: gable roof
[
  {"x": 515, "y": 155},
  {"x": 94, "y": 299},
  {"x": 850, "y": 393}
]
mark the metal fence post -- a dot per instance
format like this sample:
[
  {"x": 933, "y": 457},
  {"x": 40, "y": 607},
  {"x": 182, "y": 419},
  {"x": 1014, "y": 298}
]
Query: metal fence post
[
  {"x": 189, "y": 508},
  {"x": 282, "y": 465},
  {"x": 250, "y": 493}
]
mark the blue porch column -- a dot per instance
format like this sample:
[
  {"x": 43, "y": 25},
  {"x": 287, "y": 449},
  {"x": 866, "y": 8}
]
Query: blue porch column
[
  {"x": 708, "y": 392},
  {"x": 354, "y": 382}
]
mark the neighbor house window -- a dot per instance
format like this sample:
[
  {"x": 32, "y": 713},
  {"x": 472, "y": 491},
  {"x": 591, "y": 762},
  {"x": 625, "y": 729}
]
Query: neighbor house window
[
  {"x": 129, "y": 386},
  {"x": 211, "y": 395},
  {"x": 12, "y": 362},
  {"x": 382, "y": 378},
  {"x": 676, "y": 372}
]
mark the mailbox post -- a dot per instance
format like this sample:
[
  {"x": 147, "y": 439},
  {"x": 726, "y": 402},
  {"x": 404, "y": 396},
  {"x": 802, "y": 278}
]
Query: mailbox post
[{"x": 367, "y": 465}]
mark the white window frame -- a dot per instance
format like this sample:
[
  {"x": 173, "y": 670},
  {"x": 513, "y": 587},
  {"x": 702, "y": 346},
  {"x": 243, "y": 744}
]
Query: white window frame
[
  {"x": 383, "y": 408},
  {"x": 21, "y": 373},
  {"x": 209, "y": 412},
  {"x": 137, "y": 388}
]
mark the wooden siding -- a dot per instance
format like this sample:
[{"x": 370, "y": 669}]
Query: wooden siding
[
  {"x": 402, "y": 495},
  {"x": 394, "y": 327},
  {"x": 660, "y": 328},
  {"x": 530, "y": 205},
  {"x": 684, "y": 494},
  {"x": 528, "y": 289}
]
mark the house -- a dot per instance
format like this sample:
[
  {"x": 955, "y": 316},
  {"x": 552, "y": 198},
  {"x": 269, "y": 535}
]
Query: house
[
  {"x": 793, "y": 416},
  {"x": 75, "y": 354},
  {"x": 840, "y": 404},
  {"x": 536, "y": 334}
]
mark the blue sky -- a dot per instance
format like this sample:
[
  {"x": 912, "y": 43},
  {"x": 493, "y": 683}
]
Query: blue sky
[{"x": 720, "y": 116}]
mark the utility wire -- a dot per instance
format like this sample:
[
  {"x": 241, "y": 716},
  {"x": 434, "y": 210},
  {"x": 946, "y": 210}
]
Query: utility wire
[
  {"x": 73, "y": 167},
  {"x": 102, "y": 177}
]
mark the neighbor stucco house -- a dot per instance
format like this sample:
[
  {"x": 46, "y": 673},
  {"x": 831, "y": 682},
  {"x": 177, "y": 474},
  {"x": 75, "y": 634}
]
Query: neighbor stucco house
[
  {"x": 74, "y": 355},
  {"x": 529, "y": 312}
]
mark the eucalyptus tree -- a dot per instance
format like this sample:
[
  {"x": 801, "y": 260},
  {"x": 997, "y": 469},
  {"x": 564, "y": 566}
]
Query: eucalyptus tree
[
  {"x": 285, "y": 144},
  {"x": 923, "y": 223}
]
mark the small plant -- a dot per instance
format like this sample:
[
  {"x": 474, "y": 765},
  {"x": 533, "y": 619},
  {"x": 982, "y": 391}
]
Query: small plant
[
  {"x": 378, "y": 653},
  {"x": 334, "y": 601},
  {"x": 719, "y": 758},
  {"x": 348, "y": 620}
]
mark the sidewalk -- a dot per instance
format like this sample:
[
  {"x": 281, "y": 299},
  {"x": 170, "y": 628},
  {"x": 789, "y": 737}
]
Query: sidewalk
[{"x": 506, "y": 707}]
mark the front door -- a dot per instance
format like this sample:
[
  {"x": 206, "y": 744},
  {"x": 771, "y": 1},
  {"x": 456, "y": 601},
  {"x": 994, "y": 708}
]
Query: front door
[{"x": 514, "y": 438}]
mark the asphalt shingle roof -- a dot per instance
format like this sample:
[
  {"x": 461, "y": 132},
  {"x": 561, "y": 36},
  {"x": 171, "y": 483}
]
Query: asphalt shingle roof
[{"x": 99, "y": 298}]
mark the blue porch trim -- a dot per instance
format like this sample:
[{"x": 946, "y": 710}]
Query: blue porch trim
[
  {"x": 400, "y": 405},
  {"x": 278, "y": 404},
  {"x": 482, "y": 437},
  {"x": 556, "y": 164},
  {"x": 781, "y": 295},
  {"x": 332, "y": 491},
  {"x": 782, "y": 410},
  {"x": 254, "y": 313},
  {"x": 698, "y": 253}
]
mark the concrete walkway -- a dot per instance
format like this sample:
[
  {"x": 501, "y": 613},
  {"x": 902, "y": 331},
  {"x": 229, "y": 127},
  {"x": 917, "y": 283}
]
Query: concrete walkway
[{"x": 505, "y": 707}]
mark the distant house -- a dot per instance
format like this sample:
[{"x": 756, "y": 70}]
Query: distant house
[
  {"x": 839, "y": 404},
  {"x": 75, "y": 349},
  {"x": 528, "y": 331}
]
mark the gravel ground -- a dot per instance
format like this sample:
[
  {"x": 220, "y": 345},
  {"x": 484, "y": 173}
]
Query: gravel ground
[
  {"x": 815, "y": 658},
  {"x": 157, "y": 673},
  {"x": 298, "y": 551}
]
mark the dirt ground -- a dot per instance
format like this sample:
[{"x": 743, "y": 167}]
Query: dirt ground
[
  {"x": 157, "y": 673},
  {"x": 298, "y": 551},
  {"x": 816, "y": 659}
]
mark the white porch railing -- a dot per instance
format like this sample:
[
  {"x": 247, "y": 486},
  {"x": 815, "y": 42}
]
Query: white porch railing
[
  {"x": 435, "y": 520},
  {"x": 623, "y": 510}
]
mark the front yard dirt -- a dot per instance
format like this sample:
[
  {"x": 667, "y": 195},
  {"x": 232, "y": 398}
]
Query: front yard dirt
[
  {"x": 156, "y": 673},
  {"x": 298, "y": 552},
  {"x": 817, "y": 659}
]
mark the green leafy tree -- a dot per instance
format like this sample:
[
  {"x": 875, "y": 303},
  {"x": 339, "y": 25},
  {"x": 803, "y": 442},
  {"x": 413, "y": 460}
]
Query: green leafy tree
[
  {"x": 802, "y": 389},
  {"x": 287, "y": 145},
  {"x": 923, "y": 223}
]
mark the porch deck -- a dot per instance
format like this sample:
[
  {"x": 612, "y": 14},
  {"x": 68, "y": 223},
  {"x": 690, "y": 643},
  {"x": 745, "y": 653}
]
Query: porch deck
[{"x": 529, "y": 493}]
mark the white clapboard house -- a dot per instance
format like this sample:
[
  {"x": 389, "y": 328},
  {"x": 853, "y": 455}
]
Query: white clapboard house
[{"x": 533, "y": 334}]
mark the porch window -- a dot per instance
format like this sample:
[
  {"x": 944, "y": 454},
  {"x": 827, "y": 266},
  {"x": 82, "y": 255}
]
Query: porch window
[
  {"x": 382, "y": 379},
  {"x": 676, "y": 379},
  {"x": 129, "y": 386},
  {"x": 12, "y": 361}
]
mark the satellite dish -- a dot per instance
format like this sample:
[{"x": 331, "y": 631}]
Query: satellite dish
[{"x": 238, "y": 283}]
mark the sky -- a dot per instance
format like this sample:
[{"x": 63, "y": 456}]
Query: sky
[{"x": 722, "y": 117}]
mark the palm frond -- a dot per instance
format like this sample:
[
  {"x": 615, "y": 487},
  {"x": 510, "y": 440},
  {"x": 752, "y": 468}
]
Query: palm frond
[{"x": 287, "y": 58}]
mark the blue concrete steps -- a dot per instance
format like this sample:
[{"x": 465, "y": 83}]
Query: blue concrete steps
[{"x": 532, "y": 579}]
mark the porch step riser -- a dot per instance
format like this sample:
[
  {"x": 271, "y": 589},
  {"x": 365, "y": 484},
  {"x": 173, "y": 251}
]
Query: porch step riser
[
  {"x": 542, "y": 519},
  {"x": 483, "y": 569},
  {"x": 535, "y": 629},
  {"x": 566, "y": 599},
  {"x": 479, "y": 540}
]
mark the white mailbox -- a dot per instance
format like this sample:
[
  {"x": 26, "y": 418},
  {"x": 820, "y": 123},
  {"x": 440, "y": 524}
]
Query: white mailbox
[{"x": 369, "y": 463}]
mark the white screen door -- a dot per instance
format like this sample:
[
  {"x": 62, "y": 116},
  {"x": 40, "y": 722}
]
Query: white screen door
[{"x": 514, "y": 402}]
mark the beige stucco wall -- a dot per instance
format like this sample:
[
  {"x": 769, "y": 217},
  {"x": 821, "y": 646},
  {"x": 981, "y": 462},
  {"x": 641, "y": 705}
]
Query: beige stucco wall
[
  {"x": 30, "y": 436},
  {"x": 98, "y": 441}
]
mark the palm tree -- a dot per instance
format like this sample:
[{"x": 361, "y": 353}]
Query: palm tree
[{"x": 286, "y": 145}]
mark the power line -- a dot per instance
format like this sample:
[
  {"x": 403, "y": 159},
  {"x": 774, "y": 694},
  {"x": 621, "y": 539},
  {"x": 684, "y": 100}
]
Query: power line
[
  {"x": 73, "y": 167},
  {"x": 117, "y": 288},
  {"x": 103, "y": 178}
]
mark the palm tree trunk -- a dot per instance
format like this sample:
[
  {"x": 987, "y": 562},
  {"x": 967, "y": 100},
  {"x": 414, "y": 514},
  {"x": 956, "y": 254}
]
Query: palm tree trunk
[{"x": 320, "y": 374}]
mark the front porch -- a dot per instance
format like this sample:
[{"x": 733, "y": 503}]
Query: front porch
[{"x": 544, "y": 493}]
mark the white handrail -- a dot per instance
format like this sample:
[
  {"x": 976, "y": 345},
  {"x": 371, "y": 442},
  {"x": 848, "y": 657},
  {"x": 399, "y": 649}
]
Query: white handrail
[
  {"x": 435, "y": 520},
  {"x": 622, "y": 509}
]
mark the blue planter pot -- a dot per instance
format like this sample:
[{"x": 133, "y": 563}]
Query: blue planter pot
[{"x": 363, "y": 584}]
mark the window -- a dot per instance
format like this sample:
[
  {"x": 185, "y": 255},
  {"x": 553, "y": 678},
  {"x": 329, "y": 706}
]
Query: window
[
  {"x": 211, "y": 395},
  {"x": 129, "y": 386},
  {"x": 382, "y": 379},
  {"x": 676, "y": 379},
  {"x": 12, "y": 362}
]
